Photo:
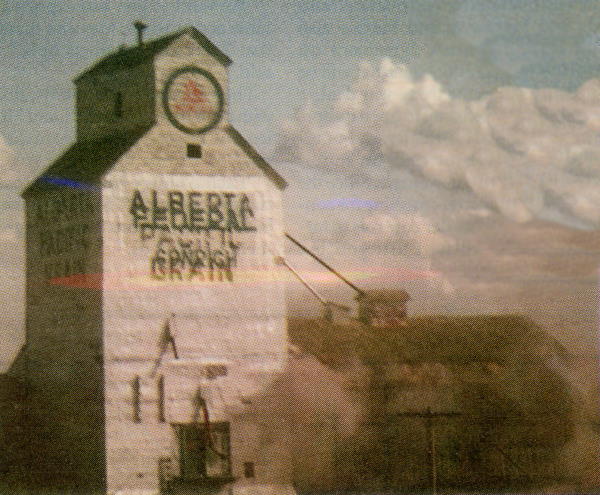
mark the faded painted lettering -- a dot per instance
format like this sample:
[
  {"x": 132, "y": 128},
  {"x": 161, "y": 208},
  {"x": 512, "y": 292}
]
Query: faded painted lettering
[
  {"x": 62, "y": 232},
  {"x": 195, "y": 232},
  {"x": 193, "y": 259},
  {"x": 190, "y": 211}
]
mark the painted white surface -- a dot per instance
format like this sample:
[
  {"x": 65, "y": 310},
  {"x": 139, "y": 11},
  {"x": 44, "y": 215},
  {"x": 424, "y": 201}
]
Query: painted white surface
[{"x": 239, "y": 323}]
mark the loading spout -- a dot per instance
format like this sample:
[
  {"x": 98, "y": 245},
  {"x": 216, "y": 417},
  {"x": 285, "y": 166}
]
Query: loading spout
[{"x": 329, "y": 267}]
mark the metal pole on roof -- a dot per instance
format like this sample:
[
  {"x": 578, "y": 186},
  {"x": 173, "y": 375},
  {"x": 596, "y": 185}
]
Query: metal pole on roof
[
  {"x": 140, "y": 26},
  {"x": 331, "y": 269}
]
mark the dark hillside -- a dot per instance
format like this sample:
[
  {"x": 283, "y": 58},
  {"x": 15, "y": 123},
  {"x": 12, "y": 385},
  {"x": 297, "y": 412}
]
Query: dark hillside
[{"x": 508, "y": 409}]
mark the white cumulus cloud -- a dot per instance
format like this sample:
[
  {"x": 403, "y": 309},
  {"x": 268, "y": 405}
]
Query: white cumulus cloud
[
  {"x": 521, "y": 152},
  {"x": 406, "y": 233}
]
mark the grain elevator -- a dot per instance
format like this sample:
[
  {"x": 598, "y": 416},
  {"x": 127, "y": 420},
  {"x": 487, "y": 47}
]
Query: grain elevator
[{"x": 156, "y": 320}]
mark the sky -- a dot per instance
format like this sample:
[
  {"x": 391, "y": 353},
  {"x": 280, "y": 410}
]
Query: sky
[{"x": 451, "y": 148}]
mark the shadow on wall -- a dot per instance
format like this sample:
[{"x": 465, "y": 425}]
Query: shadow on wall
[{"x": 13, "y": 456}]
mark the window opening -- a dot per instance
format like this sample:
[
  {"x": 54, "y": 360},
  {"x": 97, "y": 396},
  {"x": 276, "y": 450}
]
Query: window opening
[
  {"x": 213, "y": 371},
  {"x": 194, "y": 151},
  {"x": 204, "y": 450},
  {"x": 248, "y": 469},
  {"x": 135, "y": 385},
  {"x": 161, "y": 399}
]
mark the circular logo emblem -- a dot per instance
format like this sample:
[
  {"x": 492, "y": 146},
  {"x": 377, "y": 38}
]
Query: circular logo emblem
[{"x": 193, "y": 100}]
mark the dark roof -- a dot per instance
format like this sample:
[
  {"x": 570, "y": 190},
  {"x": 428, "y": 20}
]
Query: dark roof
[
  {"x": 130, "y": 57},
  {"x": 450, "y": 339},
  {"x": 85, "y": 162},
  {"x": 389, "y": 296},
  {"x": 256, "y": 158}
]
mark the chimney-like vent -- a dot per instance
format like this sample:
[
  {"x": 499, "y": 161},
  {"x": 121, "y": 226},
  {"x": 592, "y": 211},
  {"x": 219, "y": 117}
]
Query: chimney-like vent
[{"x": 140, "y": 26}]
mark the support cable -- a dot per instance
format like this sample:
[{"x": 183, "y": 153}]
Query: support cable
[{"x": 304, "y": 282}]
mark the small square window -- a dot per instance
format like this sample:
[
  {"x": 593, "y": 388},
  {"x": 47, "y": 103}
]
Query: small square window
[
  {"x": 213, "y": 371},
  {"x": 194, "y": 151},
  {"x": 249, "y": 470}
]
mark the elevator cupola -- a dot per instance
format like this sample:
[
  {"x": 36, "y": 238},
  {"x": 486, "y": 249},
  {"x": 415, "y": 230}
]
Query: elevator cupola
[{"x": 124, "y": 91}]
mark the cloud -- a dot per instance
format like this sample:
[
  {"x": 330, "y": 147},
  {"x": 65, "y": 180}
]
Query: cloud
[
  {"x": 405, "y": 233},
  {"x": 348, "y": 203},
  {"x": 524, "y": 153},
  {"x": 478, "y": 199}
]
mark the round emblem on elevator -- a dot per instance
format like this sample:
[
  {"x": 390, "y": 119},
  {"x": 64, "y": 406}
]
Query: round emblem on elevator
[{"x": 193, "y": 100}]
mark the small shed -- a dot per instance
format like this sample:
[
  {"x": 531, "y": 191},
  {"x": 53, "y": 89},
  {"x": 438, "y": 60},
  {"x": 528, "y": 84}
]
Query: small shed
[{"x": 383, "y": 307}]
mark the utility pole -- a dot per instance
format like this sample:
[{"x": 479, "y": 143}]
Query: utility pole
[{"x": 429, "y": 416}]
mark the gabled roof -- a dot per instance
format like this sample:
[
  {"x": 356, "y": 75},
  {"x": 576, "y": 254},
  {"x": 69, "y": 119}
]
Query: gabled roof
[
  {"x": 259, "y": 161},
  {"x": 84, "y": 164},
  {"x": 125, "y": 58}
]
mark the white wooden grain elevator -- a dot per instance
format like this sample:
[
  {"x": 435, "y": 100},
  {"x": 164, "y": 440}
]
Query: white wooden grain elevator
[{"x": 156, "y": 320}]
